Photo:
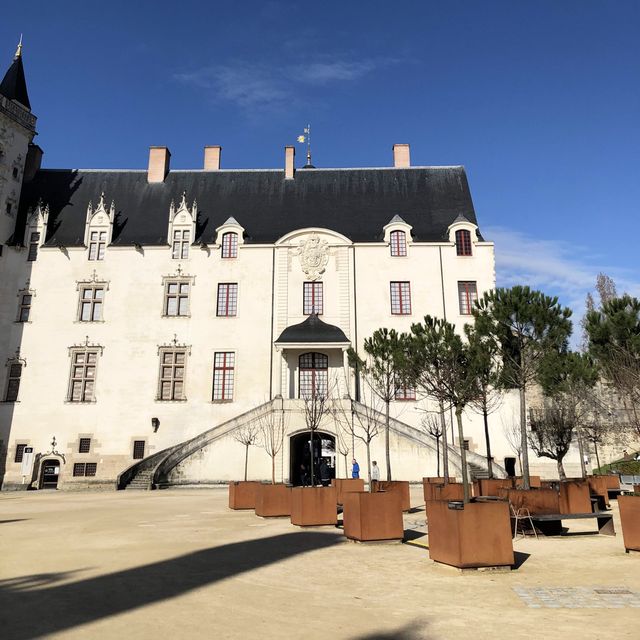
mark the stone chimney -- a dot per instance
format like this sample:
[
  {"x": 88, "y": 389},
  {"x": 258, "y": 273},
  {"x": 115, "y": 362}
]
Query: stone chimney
[
  {"x": 289, "y": 162},
  {"x": 212, "y": 158},
  {"x": 158, "y": 164},
  {"x": 33, "y": 162},
  {"x": 401, "y": 156}
]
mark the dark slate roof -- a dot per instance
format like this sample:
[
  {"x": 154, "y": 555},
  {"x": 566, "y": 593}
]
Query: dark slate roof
[
  {"x": 357, "y": 203},
  {"x": 14, "y": 85},
  {"x": 312, "y": 330}
]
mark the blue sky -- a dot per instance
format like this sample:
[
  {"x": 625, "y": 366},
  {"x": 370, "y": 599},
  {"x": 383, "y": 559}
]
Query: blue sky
[{"x": 539, "y": 100}]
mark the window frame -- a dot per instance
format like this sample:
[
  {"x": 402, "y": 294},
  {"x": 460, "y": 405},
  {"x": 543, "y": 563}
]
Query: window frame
[
  {"x": 97, "y": 245},
  {"x": 401, "y": 307},
  {"x": 229, "y": 308},
  {"x": 229, "y": 248},
  {"x": 223, "y": 385},
  {"x": 398, "y": 243},
  {"x": 87, "y": 350},
  {"x": 34, "y": 246},
  {"x": 135, "y": 450},
  {"x": 92, "y": 301},
  {"x": 404, "y": 393},
  {"x": 464, "y": 245},
  {"x": 312, "y": 285},
  {"x": 84, "y": 445},
  {"x": 172, "y": 379},
  {"x": 180, "y": 245},
  {"x": 22, "y": 306},
  {"x": 470, "y": 300},
  {"x": 13, "y": 382},
  {"x": 317, "y": 363},
  {"x": 19, "y": 454},
  {"x": 167, "y": 296}
]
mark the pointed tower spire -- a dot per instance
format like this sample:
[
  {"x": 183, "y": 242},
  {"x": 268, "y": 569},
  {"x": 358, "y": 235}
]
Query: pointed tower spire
[{"x": 14, "y": 84}]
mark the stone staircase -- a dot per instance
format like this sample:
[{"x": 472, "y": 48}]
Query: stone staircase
[
  {"x": 477, "y": 472},
  {"x": 141, "y": 481}
]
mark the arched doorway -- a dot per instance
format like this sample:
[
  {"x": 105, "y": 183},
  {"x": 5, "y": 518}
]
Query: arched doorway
[
  {"x": 49, "y": 474},
  {"x": 324, "y": 448}
]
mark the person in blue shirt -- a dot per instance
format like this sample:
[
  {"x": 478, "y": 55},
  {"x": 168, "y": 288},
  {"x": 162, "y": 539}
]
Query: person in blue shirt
[{"x": 355, "y": 469}]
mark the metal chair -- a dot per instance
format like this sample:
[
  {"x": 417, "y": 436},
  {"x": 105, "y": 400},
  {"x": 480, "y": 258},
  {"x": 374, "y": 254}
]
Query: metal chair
[{"x": 520, "y": 516}]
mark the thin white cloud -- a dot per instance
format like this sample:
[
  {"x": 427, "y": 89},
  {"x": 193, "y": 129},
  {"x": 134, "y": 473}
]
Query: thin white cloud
[
  {"x": 556, "y": 267},
  {"x": 259, "y": 87}
]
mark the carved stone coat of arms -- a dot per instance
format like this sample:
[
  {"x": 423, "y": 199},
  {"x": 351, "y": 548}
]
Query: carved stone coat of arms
[{"x": 314, "y": 255}]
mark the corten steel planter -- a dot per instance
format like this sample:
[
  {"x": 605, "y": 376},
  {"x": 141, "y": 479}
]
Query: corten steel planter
[
  {"x": 538, "y": 501},
  {"x": 613, "y": 482},
  {"x": 630, "y": 520},
  {"x": 479, "y": 535},
  {"x": 575, "y": 497},
  {"x": 242, "y": 495},
  {"x": 400, "y": 486},
  {"x": 346, "y": 485},
  {"x": 598, "y": 487},
  {"x": 451, "y": 491},
  {"x": 312, "y": 506},
  {"x": 273, "y": 500},
  {"x": 534, "y": 482},
  {"x": 429, "y": 487},
  {"x": 373, "y": 516},
  {"x": 437, "y": 480},
  {"x": 491, "y": 486}
]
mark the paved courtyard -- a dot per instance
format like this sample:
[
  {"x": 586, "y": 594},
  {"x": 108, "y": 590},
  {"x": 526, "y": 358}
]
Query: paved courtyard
[{"x": 179, "y": 564}]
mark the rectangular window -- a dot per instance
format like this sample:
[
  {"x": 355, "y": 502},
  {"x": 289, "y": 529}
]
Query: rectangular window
[
  {"x": 172, "y": 370},
  {"x": 312, "y": 298},
  {"x": 398, "y": 243},
  {"x": 19, "y": 452},
  {"x": 230, "y": 245},
  {"x": 78, "y": 469},
  {"x": 138, "y": 449},
  {"x": 227, "y": 299},
  {"x": 176, "y": 298},
  {"x": 13, "y": 383},
  {"x": 223, "y": 375},
  {"x": 34, "y": 242},
  {"x": 91, "y": 299},
  {"x": 400, "y": 298},
  {"x": 90, "y": 469},
  {"x": 24, "y": 308},
  {"x": 83, "y": 376},
  {"x": 180, "y": 246},
  {"x": 405, "y": 393},
  {"x": 82, "y": 469},
  {"x": 97, "y": 244},
  {"x": 85, "y": 445},
  {"x": 467, "y": 295}
]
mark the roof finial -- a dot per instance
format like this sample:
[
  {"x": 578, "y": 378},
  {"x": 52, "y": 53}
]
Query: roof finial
[
  {"x": 19, "y": 49},
  {"x": 306, "y": 137}
]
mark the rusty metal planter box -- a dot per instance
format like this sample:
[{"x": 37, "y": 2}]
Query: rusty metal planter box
[
  {"x": 479, "y": 535},
  {"x": 400, "y": 486},
  {"x": 630, "y": 520},
  {"x": 242, "y": 494},
  {"x": 598, "y": 486},
  {"x": 273, "y": 500},
  {"x": 312, "y": 506},
  {"x": 491, "y": 487},
  {"x": 575, "y": 497},
  {"x": 373, "y": 516},
  {"x": 346, "y": 485}
]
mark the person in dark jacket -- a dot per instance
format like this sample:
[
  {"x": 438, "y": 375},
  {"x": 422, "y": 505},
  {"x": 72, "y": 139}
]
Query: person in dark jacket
[{"x": 325, "y": 473}]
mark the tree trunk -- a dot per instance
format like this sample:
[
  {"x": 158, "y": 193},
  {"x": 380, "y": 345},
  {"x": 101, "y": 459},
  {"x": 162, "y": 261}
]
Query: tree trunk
[
  {"x": 583, "y": 466},
  {"x": 595, "y": 449},
  {"x": 561, "y": 474},
  {"x": 246, "y": 460},
  {"x": 386, "y": 441},
  {"x": 488, "y": 441},
  {"x": 346, "y": 465},
  {"x": 369, "y": 466},
  {"x": 445, "y": 445},
  {"x": 438, "y": 456},
  {"x": 463, "y": 455},
  {"x": 526, "y": 481},
  {"x": 273, "y": 469},
  {"x": 311, "y": 478}
]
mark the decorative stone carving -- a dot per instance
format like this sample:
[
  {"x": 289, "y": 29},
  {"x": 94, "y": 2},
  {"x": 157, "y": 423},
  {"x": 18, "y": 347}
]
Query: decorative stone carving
[{"x": 314, "y": 256}]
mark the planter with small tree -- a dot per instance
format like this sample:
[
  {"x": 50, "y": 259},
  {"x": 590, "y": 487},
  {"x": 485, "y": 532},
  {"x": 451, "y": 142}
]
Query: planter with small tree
[{"x": 242, "y": 494}]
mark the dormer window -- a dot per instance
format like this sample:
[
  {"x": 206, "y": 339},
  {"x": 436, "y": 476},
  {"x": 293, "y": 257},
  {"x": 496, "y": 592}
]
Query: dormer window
[
  {"x": 182, "y": 227},
  {"x": 230, "y": 245},
  {"x": 97, "y": 244},
  {"x": 36, "y": 230},
  {"x": 34, "y": 243},
  {"x": 398, "y": 243},
  {"x": 463, "y": 242},
  {"x": 180, "y": 246}
]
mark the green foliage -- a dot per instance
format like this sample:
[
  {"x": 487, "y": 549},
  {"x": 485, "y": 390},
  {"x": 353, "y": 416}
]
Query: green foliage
[
  {"x": 567, "y": 372},
  {"x": 485, "y": 366},
  {"x": 526, "y": 325}
]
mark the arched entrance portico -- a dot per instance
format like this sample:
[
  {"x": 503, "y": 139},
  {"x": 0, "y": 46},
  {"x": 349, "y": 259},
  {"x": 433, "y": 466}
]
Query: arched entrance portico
[
  {"x": 324, "y": 447},
  {"x": 49, "y": 473}
]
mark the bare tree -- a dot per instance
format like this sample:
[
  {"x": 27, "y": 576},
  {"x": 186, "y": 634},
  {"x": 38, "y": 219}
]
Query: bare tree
[
  {"x": 512, "y": 434},
  {"x": 431, "y": 424},
  {"x": 363, "y": 420},
  {"x": 246, "y": 435},
  {"x": 316, "y": 406},
  {"x": 342, "y": 443},
  {"x": 271, "y": 427}
]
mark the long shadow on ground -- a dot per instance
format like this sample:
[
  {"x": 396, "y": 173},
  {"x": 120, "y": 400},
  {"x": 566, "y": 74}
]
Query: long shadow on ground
[{"x": 26, "y": 612}]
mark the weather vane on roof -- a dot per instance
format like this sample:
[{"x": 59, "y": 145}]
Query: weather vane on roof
[{"x": 306, "y": 137}]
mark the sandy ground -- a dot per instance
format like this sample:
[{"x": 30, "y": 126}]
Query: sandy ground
[{"x": 179, "y": 564}]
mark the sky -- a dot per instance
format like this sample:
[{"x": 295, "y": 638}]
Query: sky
[{"x": 539, "y": 100}]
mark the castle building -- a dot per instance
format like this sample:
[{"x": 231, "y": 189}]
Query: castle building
[{"x": 148, "y": 316}]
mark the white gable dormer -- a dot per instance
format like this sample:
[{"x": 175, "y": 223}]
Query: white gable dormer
[
  {"x": 182, "y": 227},
  {"x": 397, "y": 235},
  {"x": 98, "y": 228},
  {"x": 229, "y": 236},
  {"x": 35, "y": 232},
  {"x": 464, "y": 234}
]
